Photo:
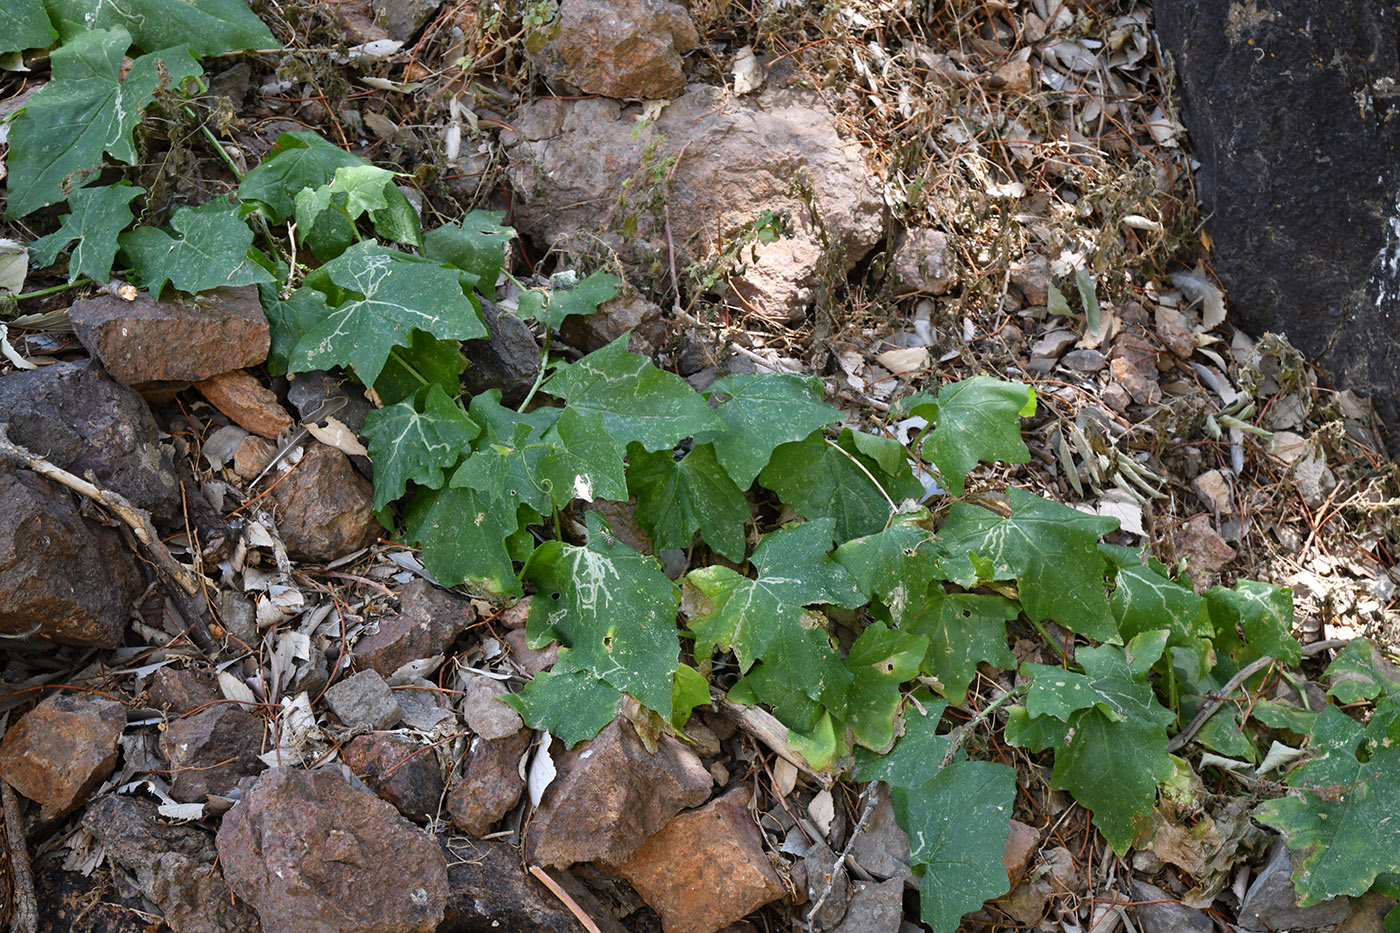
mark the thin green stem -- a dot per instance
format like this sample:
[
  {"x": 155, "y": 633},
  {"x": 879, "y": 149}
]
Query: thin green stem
[
  {"x": 960, "y": 734},
  {"x": 214, "y": 141},
  {"x": 55, "y": 289},
  {"x": 394, "y": 352},
  {"x": 539, "y": 377}
]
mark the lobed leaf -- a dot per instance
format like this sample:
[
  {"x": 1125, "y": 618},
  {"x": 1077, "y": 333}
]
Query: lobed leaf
[
  {"x": 974, "y": 420},
  {"x": 98, "y": 215},
  {"x": 211, "y": 249},
  {"x": 208, "y": 27},
  {"x": 675, "y": 498},
  {"x": 411, "y": 445},
  {"x": 763, "y": 412}
]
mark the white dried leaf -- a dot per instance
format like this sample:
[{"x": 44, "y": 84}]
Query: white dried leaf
[
  {"x": 233, "y": 688},
  {"x": 452, "y": 141},
  {"x": 784, "y": 776},
  {"x": 1164, "y": 129},
  {"x": 903, "y": 360},
  {"x": 1196, "y": 286},
  {"x": 181, "y": 811},
  {"x": 1116, "y": 503},
  {"x": 220, "y": 446},
  {"x": 1015, "y": 189},
  {"x": 542, "y": 771},
  {"x": 375, "y": 51},
  {"x": 822, "y": 810},
  {"x": 336, "y": 434},
  {"x": 651, "y": 110},
  {"x": 14, "y": 265},
  {"x": 1278, "y": 756},
  {"x": 1139, "y": 222},
  {"x": 748, "y": 72},
  {"x": 385, "y": 84},
  {"x": 11, "y": 353}
]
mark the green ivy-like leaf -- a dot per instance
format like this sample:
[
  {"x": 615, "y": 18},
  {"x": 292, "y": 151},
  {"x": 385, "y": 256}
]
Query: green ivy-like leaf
[
  {"x": 677, "y": 497},
  {"x": 572, "y": 707},
  {"x": 793, "y": 570},
  {"x": 585, "y": 461},
  {"x": 289, "y": 320},
  {"x": 86, "y": 109},
  {"x": 1112, "y": 769},
  {"x": 1263, "y": 612},
  {"x": 1109, "y": 683},
  {"x": 957, "y": 824},
  {"x": 1144, "y": 599},
  {"x": 210, "y": 250},
  {"x": 1359, "y": 672},
  {"x": 425, "y": 358},
  {"x": 407, "y": 444},
  {"x": 974, "y": 420},
  {"x": 638, "y": 402},
  {"x": 919, "y": 753},
  {"x": 801, "y": 676},
  {"x": 880, "y": 661},
  {"x": 463, "y": 534},
  {"x": 390, "y": 295},
  {"x": 99, "y": 214},
  {"x": 763, "y": 412},
  {"x": 355, "y": 190},
  {"x": 208, "y": 27},
  {"x": 613, "y": 607},
  {"x": 296, "y": 161},
  {"x": 691, "y": 690},
  {"x": 476, "y": 244},
  {"x": 821, "y": 481},
  {"x": 508, "y": 454},
  {"x": 895, "y": 566},
  {"x": 962, "y": 629},
  {"x": 582, "y": 299},
  {"x": 25, "y": 25},
  {"x": 1341, "y": 818},
  {"x": 1050, "y": 550}
]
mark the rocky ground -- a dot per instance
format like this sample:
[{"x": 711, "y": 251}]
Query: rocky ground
[{"x": 939, "y": 172}]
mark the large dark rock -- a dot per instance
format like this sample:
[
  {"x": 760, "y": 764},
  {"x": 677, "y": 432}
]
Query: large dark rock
[
  {"x": 1292, "y": 107},
  {"x": 78, "y": 418},
  {"x": 61, "y": 576}
]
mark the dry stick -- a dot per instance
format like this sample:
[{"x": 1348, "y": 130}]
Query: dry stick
[
  {"x": 26, "y": 919},
  {"x": 136, "y": 518},
  {"x": 871, "y": 796},
  {"x": 563, "y": 895},
  {"x": 765, "y": 727},
  {"x": 1215, "y": 701}
]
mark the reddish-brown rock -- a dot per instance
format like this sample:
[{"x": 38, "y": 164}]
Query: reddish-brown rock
[
  {"x": 628, "y": 49},
  {"x": 61, "y": 577},
  {"x": 177, "y": 691},
  {"x": 247, "y": 402},
  {"x": 1202, "y": 546},
  {"x": 483, "y": 710},
  {"x": 610, "y": 795},
  {"x": 61, "y": 749},
  {"x": 252, "y": 455},
  {"x": 706, "y": 868},
  {"x": 325, "y": 509},
  {"x": 212, "y": 750},
  {"x": 400, "y": 771},
  {"x": 429, "y": 618},
  {"x": 491, "y": 784},
  {"x": 530, "y": 660},
  {"x": 190, "y": 338},
  {"x": 1021, "y": 843},
  {"x": 312, "y": 854}
]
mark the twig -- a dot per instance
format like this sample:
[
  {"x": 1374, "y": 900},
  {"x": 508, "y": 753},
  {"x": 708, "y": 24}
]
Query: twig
[
  {"x": 137, "y": 519},
  {"x": 563, "y": 895},
  {"x": 1215, "y": 701},
  {"x": 765, "y": 727},
  {"x": 26, "y": 918},
  {"x": 871, "y": 796}
]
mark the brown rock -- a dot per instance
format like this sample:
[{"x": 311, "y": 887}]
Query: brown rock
[
  {"x": 610, "y": 795},
  {"x": 491, "y": 784},
  {"x": 324, "y": 508},
  {"x": 178, "y": 691},
  {"x": 483, "y": 710},
  {"x": 72, "y": 579},
  {"x": 1133, "y": 365},
  {"x": 627, "y": 49},
  {"x": 210, "y": 751},
  {"x": 1021, "y": 843},
  {"x": 530, "y": 660},
  {"x": 61, "y": 749},
  {"x": 313, "y": 855},
  {"x": 753, "y": 145},
  {"x": 1013, "y": 78},
  {"x": 173, "y": 865},
  {"x": 614, "y": 318},
  {"x": 924, "y": 261},
  {"x": 77, "y": 418},
  {"x": 706, "y": 868},
  {"x": 1031, "y": 277},
  {"x": 247, "y": 402},
  {"x": 508, "y": 359},
  {"x": 429, "y": 619},
  {"x": 400, "y": 771},
  {"x": 252, "y": 455},
  {"x": 1213, "y": 489},
  {"x": 1202, "y": 546},
  {"x": 190, "y": 338},
  {"x": 882, "y": 848}
]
